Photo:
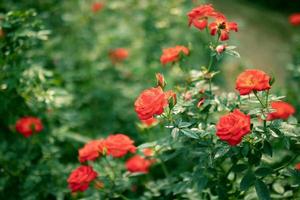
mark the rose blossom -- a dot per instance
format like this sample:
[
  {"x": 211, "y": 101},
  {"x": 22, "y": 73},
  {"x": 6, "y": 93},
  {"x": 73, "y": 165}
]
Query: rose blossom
[
  {"x": 80, "y": 178},
  {"x": 118, "y": 55},
  {"x": 97, "y": 6},
  {"x": 29, "y": 125},
  {"x": 295, "y": 19},
  {"x": 220, "y": 48},
  {"x": 282, "y": 110},
  {"x": 252, "y": 80},
  {"x": 222, "y": 26},
  {"x": 150, "y": 102},
  {"x": 91, "y": 150},
  {"x": 233, "y": 126},
  {"x": 297, "y": 167},
  {"x": 138, "y": 164},
  {"x": 119, "y": 145},
  {"x": 172, "y": 54}
]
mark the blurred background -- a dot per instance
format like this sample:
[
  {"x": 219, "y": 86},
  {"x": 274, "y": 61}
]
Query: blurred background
[{"x": 59, "y": 62}]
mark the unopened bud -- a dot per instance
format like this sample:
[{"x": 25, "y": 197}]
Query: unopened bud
[{"x": 160, "y": 80}]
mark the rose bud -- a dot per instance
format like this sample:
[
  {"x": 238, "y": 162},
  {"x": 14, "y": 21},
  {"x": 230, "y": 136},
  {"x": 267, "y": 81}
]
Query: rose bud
[
  {"x": 220, "y": 48},
  {"x": 200, "y": 103},
  {"x": 160, "y": 80},
  {"x": 187, "y": 96}
]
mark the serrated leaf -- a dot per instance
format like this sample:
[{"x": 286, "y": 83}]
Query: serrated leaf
[
  {"x": 263, "y": 171},
  {"x": 262, "y": 190},
  {"x": 189, "y": 133},
  {"x": 247, "y": 181},
  {"x": 268, "y": 148}
]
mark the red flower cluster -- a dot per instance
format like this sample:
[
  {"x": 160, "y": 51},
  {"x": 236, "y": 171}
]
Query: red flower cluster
[
  {"x": 173, "y": 54},
  {"x": 295, "y": 19},
  {"x": 92, "y": 150},
  {"x": 29, "y": 125},
  {"x": 282, "y": 110},
  {"x": 252, "y": 80},
  {"x": 97, "y": 6},
  {"x": 116, "y": 146},
  {"x": 199, "y": 16},
  {"x": 233, "y": 126},
  {"x": 118, "y": 55},
  {"x": 80, "y": 178},
  {"x": 138, "y": 164}
]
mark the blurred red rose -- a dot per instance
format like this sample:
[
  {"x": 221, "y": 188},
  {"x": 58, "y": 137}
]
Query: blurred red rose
[
  {"x": 173, "y": 54},
  {"x": 295, "y": 19},
  {"x": 282, "y": 110},
  {"x": 91, "y": 150},
  {"x": 29, "y": 125},
  {"x": 252, "y": 80},
  {"x": 233, "y": 126},
  {"x": 80, "y": 178},
  {"x": 150, "y": 122},
  {"x": 119, "y": 145},
  {"x": 198, "y": 16},
  {"x": 138, "y": 164},
  {"x": 118, "y": 55},
  {"x": 297, "y": 167},
  {"x": 150, "y": 102},
  {"x": 97, "y": 6},
  {"x": 148, "y": 152},
  {"x": 220, "y": 25}
]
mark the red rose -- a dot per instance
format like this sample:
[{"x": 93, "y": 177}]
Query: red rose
[
  {"x": 29, "y": 125},
  {"x": 233, "y": 126},
  {"x": 118, "y": 55},
  {"x": 80, "y": 178},
  {"x": 91, "y": 150},
  {"x": 198, "y": 16},
  {"x": 138, "y": 164},
  {"x": 297, "y": 167},
  {"x": 295, "y": 19},
  {"x": 97, "y": 6},
  {"x": 150, "y": 122},
  {"x": 148, "y": 152},
  {"x": 200, "y": 102},
  {"x": 150, "y": 102},
  {"x": 118, "y": 145},
  {"x": 173, "y": 54},
  {"x": 282, "y": 110},
  {"x": 252, "y": 80},
  {"x": 223, "y": 27}
]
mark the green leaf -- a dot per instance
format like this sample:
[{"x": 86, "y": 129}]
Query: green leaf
[
  {"x": 262, "y": 190},
  {"x": 263, "y": 171},
  {"x": 239, "y": 167},
  {"x": 190, "y": 133},
  {"x": 202, "y": 182},
  {"x": 245, "y": 149},
  {"x": 174, "y": 132},
  {"x": 222, "y": 151},
  {"x": 247, "y": 181},
  {"x": 268, "y": 148}
]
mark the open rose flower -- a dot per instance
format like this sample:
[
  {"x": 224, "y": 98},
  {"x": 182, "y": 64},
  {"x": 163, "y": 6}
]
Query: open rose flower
[
  {"x": 97, "y": 6},
  {"x": 119, "y": 145},
  {"x": 252, "y": 80},
  {"x": 118, "y": 55},
  {"x": 150, "y": 102},
  {"x": 198, "y": 16},
  {"x": 138, "y": 164},
  {"x": 282, "y": 110},
  {"x": 233, "y": 126},
  {"x": 91, "y": 150},
  {"x": 29, "y": 125},
  {"x": 222, "y": 27},
  {"x": 172, "y": 54},
  {"x": 295, "y": 19},
  {"x": 80, "y": 178}
]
